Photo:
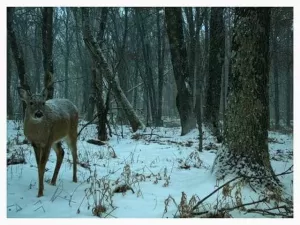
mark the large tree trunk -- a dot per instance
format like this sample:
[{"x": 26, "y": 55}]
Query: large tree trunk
[
  {"x": 191, "y": 47},
  {"x": 17, "y": 53},
  {"x": 97, "y": 54},
  {"x": 216, "y": 59},
  {"x": 245, "y": 152},
  {"x": 184, "y": 98},
  {"x": 47, "y": 30},
  {"x": 98, "y": 85},
  {"x": 198, "y": 79}
]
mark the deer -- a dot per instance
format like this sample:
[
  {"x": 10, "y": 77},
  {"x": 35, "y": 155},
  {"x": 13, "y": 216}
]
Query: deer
[{"x": 46, "y": 124}]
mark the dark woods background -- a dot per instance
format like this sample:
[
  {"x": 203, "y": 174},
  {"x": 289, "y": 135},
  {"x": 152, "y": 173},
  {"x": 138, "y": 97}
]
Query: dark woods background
[{"x": 137, "y": 66}]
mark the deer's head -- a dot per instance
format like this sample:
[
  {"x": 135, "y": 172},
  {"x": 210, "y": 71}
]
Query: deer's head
[{"x": 35, "y": 103}]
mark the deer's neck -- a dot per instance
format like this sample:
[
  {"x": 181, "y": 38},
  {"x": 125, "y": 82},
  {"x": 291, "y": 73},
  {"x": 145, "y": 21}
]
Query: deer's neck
[{"x": 36, "y": 130}]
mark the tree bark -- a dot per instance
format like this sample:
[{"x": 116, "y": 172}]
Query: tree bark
[
  {"x": 160, "y": 65},
  {"x": 8, "y": 84},
  {"x": 205, "y": 59},
  {"x": 245, "y": 150},
  {"x": 47, "y": 30},
  {"x": 147, "y": 61},
  {"x": 67, "y": 53},
  {"x": 198, "y": 79},
  {"x": 275, "y": 74},
  {"x": 17, "y": 53},
  {"x": 184, "y": 98},
  {"x": 216, "y": 60},
  {"x": 289, "y": 83},
  {"x": 98, "y": 87},
  {"x": 97, "y": 54}
]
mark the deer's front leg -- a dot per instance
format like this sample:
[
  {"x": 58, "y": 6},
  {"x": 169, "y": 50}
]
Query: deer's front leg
[
  {"x": 44, "y": 155},
  {"x": 37, "y": 154}
]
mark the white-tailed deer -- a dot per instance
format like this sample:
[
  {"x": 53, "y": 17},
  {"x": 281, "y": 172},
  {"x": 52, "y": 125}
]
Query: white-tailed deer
[{"x": 46, "y": 123}]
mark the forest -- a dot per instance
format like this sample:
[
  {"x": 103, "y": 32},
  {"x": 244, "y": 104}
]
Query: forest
[{"x": 182, "y": 112}]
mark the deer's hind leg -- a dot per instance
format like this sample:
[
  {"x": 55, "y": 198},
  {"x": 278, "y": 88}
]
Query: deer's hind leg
[{"x": 59, "y": 158}]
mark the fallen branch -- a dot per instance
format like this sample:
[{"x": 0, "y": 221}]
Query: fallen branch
[
  {"x": 95, "y": 142},
  {"x": 239, "y": 206},
  {"x": 287, "y": 214},
  {"x": 15, "y": 161}
]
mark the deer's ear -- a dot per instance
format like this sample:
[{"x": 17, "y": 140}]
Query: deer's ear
[{"x": 24, "y": 94}]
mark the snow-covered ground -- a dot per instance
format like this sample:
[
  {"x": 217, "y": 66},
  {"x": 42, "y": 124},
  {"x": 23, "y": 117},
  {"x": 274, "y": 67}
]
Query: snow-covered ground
[{"x": 156, "y": 164}]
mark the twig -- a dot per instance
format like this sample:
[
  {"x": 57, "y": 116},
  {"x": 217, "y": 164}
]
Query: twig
[
  {"x": 199, "y": 213},
  {"x": 266, "y": 212},
  {"x": 246, "y": 204},
  {"x": 264, "y": 177},
  {"x": 88, "y": 123},
  {"x": 195, "y": 207}
]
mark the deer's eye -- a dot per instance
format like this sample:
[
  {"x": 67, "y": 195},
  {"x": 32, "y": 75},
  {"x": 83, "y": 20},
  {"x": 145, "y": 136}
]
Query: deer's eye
[
  {"x": 43, "y": 103},
  {"x": 31, "y": 103}
]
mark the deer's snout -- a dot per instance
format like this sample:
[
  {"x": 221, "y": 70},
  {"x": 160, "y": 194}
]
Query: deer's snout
[{"x": 38, "y": 114}]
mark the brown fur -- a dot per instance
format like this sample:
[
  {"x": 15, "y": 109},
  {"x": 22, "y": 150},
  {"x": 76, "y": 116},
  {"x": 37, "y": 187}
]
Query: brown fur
[{"x": 59, "y": 121}]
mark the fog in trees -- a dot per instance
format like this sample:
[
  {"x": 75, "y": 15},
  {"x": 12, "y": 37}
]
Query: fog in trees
[{"x": 227, "y": 71}]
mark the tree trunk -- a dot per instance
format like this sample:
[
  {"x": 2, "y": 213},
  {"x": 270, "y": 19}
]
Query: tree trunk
[
  {"x": 184, "y": 98},
  {"x": 85, "y": 82},
  {"x": 8, "y": 84},
  {"x": 47, "y": 30},
  {"x": 276, "y": 76},
  {"x": 245, "y": 151},
  {"x": 37, "y": 60},
  {"x": 160, "y": 65},
  {"x": 97, "y": 54},
  {"x": 191, "y": 44},
  {"x": 17, "y": 53},
  {"x": 205, "y": 59},
  {"x": 216, "y": 60},
  {"x": 198, "y": 79},
  {"x": 289, "y": 83},
  {"x": 67, "y": 53},
  {"x": 147, "y": 62}
]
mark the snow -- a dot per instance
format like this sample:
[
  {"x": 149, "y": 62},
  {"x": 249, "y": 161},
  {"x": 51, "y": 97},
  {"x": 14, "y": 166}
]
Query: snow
[{"x": 157, "y": 170}]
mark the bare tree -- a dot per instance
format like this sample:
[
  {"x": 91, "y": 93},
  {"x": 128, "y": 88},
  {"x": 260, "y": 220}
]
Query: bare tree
[
  {"x": 8, "y": 84},
  {"x": 97, "y": 54},
  {"x": 245, "y": 151},
  {"x": 17, "y": 53},
  {"x": 199, "y": 77},
  {"x": 47, "y": 30},
  {"x": 184, "y": 98},
  {"x": 216, "y": 59},
  {"x": 160, "y": 65}
]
